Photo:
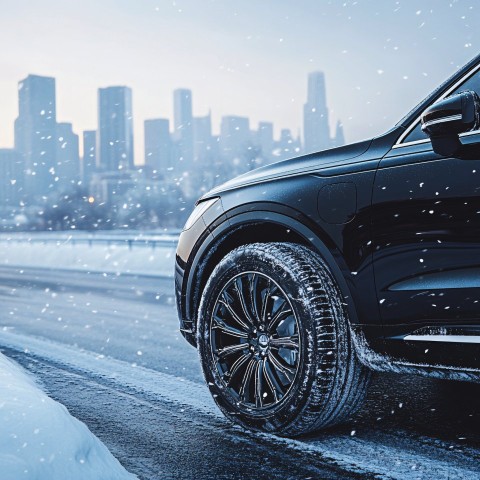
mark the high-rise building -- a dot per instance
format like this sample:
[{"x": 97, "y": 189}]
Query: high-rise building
[
  {"x": 11, "y": 177},
  {"x": 315, "y": 115},
  {"x": 89, "y": 160},
  {"x": 67, "y": 165},
  {"x": 158, "y": 148},
  {"x": 35, "y": 130},
  {"x": 115, "y": 129},
  {"x": 287, "y": 146},
  {"x": 236, "y": 146},
  {"x": 183, "y": 126},
  {"x": 265, "y": 139},
  {"x": 234, "y": 137},
  {"x": 202, "y": 138},
  {"x": 339, "y": 138}
]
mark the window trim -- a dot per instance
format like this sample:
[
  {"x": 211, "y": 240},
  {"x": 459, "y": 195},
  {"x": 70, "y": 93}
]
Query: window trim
[{"x": 399, "y": 143}]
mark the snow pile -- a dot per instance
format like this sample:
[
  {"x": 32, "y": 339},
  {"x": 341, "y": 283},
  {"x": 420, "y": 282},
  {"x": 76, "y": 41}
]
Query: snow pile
[{"x": 40, "y": 440}]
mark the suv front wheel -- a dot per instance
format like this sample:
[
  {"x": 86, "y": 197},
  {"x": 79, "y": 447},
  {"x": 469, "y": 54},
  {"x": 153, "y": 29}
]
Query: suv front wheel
[{"x": 274, "y": 341}]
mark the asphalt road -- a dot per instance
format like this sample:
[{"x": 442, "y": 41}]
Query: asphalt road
[{"x": 108, "y": 348}]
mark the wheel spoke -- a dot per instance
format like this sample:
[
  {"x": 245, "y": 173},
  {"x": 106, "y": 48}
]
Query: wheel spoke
[
  {"x": 236, "y": 366},
  {"x": 287, "y": 371},
  {"x": 265, "y": 299},
  {"x": 267, "y": 304},
  {"x": 259, "y": 384},
  {"x": 234, "y": 332},
  {"x": 227, "y": 305},
  {"x": 253, "y": 284},
  {"x": 272, "y": 383},
  {"x": 241, "y": 297},
  {"x": 226, "y": 351},
  {"x": 286, "y": 342},
  {"x": 281, "y": 314},
  {"x": 247, "y": 376}
]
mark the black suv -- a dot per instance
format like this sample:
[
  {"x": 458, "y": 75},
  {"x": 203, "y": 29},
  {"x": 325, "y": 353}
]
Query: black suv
[{"x": 298, "y": 279}]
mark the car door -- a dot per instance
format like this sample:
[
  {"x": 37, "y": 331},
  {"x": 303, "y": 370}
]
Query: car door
[{"x": 426, "y": 233}]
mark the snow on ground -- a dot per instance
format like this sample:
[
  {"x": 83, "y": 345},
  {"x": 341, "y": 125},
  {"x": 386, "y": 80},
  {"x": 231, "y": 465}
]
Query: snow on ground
[
  {"x": 116, "y": 257},
  {"x": 40, "y": 440}
]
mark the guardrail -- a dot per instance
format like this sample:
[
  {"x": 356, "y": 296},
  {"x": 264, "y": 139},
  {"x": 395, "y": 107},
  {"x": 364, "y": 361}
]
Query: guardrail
[{"x": 115, "y": 238}]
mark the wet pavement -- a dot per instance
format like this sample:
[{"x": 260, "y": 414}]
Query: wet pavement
[{"x": 146, "y": 399}]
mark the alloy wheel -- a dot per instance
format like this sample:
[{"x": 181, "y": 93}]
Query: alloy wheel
[{"x": 254, "y": 340}]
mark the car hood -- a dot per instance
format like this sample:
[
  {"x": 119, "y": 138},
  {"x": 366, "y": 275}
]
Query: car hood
[{"x": 298, "y": 165}]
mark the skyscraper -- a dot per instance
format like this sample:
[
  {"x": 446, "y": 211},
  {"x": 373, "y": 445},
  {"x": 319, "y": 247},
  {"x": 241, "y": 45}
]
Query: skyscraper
[
  {"x": 89, "y": 160},
  {"x": 35, "y": 130},
  {"x": 11, "y": 177},
  {"x": 236, "y": 144},
  {"x": 287, "y": 146},
  {"x": 265, "y": 139},
  {"x": 234, "y": 136},
  {"x": 158, "y": 151},
  {"x": 339, "y": 139},
  {"x": 115, "y": 129},
  {"x": 202, "y": 136},
  {"x": 67, "y": 167},
  {"x": 315, "y": 115},
  {"x": 183, "y": 126}
]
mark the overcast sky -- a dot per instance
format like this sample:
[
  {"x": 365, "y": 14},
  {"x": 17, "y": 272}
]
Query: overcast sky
[{"x": 248, "y": 57}]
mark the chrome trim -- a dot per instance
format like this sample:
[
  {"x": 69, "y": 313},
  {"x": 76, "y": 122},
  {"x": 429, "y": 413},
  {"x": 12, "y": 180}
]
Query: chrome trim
[
  {"x": 414, "y": 142},
  {"x": 444, "y": 338},
  {"x": 450, "y": 118},
  {"x": 427, "y": 140},
  {"x": 445, "y": 94},
  {"x": 471, "y": 132}
]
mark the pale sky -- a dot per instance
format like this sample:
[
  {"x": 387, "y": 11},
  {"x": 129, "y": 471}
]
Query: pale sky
[{"x": 248, "y": 57}]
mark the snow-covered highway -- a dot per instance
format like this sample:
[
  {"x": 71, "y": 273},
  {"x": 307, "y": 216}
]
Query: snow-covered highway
[{"x": 107, "y": 346}]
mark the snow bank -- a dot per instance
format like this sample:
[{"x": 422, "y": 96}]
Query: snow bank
[
  {"x": 98, "y": 257},
  {"x": 40, "y": 440}
]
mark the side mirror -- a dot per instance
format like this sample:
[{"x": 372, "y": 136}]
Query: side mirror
[{"x": 445, "y": 120}]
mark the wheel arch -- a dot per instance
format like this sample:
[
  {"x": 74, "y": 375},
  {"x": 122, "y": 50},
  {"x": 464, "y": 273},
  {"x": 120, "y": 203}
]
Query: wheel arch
[{"x": 260, "y": 226}]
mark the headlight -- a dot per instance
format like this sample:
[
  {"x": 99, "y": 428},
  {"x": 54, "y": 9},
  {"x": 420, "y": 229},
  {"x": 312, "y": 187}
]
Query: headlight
[{"x": 198, "y": 211}]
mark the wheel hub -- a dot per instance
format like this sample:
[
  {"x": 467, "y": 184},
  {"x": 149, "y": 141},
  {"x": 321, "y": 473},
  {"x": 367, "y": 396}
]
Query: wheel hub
[
  {"x": 259, "y": 343},
  {"x": 263, "y": 341}
]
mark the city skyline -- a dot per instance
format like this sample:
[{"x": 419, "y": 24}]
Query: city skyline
[
  {"x": 116, "y": 141},
  {"x": 188, "y": 157},
  {"x": 248, "y": 60},
  {"x": 181, "y": 121}
]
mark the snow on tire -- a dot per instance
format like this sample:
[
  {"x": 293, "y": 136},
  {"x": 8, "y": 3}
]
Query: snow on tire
[{"x": 274, "y": 341}]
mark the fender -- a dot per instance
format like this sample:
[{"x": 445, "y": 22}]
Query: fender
[{"x": 251, "y": 214}]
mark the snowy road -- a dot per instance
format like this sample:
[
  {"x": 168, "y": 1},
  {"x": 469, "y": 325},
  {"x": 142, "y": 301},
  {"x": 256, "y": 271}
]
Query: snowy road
[{"x": 108, "y": 348}]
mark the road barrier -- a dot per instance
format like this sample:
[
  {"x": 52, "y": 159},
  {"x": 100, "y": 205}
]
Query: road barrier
[
  {"x": 142, "y": 240},
  {"x": 116, "y": 252}
]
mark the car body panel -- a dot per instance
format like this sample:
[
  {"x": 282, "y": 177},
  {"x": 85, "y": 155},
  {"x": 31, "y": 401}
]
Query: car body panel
[
  {"x": 297, "y": 198},
  {"x": 388, "y": 268},
  {"x": 426, "y": 229},
  {"x": 295, "y": 166}
]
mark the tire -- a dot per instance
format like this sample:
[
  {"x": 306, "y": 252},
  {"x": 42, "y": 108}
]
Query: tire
[{"x": 274, "y": 341}]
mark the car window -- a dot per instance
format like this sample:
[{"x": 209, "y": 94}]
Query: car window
[{"x": 473, "y": 83}]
